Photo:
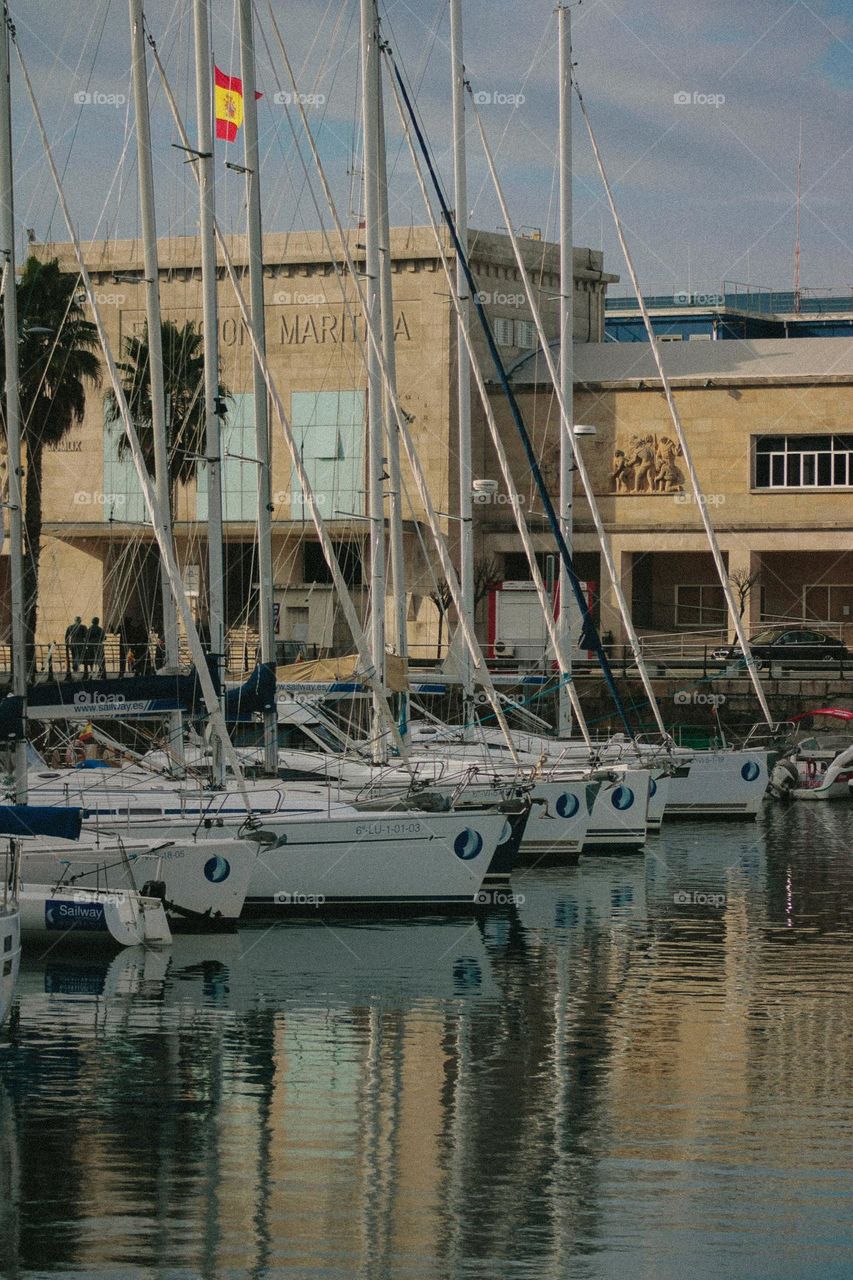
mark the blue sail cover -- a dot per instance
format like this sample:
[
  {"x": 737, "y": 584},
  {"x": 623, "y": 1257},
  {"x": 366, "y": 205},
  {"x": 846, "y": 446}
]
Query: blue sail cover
[
  {"x": 40, "y": 820},
  {"x": 256, "y": 695},
  {"x": 122, "y": 698}
]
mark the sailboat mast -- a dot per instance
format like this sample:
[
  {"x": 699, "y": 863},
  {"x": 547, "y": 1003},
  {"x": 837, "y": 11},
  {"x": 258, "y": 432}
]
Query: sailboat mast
[
  {"x": 463, "y": 368},
  {"x": 567, "y": 293},
  {"x": 13, "y": 407},
  {"x": 213, "y": 443},
  {"x": 395, "y": 506},
  {"x": 375, "y": 433},
  {"x": 266, "y": 612},
  {"x": 151, "y": 267}
]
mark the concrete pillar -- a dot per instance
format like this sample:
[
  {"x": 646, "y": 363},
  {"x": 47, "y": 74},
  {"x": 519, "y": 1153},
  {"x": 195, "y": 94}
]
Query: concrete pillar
[{"x": 611, "y": 619}]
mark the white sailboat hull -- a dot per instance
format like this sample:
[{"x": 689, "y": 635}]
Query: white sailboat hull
[
  {"x": 119, "y": 917},
  {"x": 323, "y": 853},
  {"x": 395, "y": 860},
  {"x": 202, "y": 883},
  {"x": 718, "y": 784}
]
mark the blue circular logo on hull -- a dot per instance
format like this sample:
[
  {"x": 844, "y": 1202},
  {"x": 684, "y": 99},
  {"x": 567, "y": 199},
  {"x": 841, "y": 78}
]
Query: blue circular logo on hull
[
  {"x": 750, "y": 771},
  {"x": 468, "y": 844},
  {"x": 217, "y": 869},
  {"x": 567, "y": 805},
  {"x": 653, "y": 788},
  {"x": 623, "y": 798}
]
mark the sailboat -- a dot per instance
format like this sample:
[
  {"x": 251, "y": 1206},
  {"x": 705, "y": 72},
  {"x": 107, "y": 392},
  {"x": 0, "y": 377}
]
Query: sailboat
[
  {"x": 303, "y": 846},
  {"x": 728, "y": 783},
  {"x": 192, "y": 882}
]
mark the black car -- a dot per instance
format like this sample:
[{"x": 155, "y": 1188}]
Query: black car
[{"x": 792, "y": 645}]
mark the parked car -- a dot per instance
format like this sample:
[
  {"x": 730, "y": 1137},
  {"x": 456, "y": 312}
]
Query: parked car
[{"x": 794, "y": 645}]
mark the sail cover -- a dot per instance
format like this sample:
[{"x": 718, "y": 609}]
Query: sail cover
[
  {"x": 40, "y": 820},
  {"x": 257, "y": 694},
  {"x": 122, "y": 698}
]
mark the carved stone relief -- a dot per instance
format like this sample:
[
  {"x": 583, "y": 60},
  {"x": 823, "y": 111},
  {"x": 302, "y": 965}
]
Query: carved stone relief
[{"x": 648, "y": 464}]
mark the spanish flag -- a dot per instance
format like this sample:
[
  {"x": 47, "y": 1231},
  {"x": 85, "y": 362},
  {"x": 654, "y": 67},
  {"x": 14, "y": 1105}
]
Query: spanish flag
[{"x": 228, "y": 102}]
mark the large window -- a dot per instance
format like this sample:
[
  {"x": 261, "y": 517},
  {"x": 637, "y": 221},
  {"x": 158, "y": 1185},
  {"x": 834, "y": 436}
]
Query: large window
[
  {"x": 828, "y": 602},
  {"x": 329, "y": 431},
  {"x": 804, "y": 462},
  {"x": 121, "y": 498},
  {"x": 703, "y": 605},
  {"x": 239, "y": 471}
]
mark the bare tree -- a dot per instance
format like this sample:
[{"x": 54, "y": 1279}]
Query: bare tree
[
  {"x": 487, "y": 571},
  {"x": 442, "y": 598},
  {"x": 743, "y": 581}
]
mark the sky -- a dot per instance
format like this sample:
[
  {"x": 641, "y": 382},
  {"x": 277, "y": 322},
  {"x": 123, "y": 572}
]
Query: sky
[{"x": 697, "y": 105}]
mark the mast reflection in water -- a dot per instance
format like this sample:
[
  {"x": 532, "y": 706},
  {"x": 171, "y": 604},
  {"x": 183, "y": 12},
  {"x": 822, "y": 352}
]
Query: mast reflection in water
[{"x": 645, "y": 1069}]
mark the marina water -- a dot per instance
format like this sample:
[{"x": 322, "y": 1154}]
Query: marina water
[{"x": 644, "y": 1068}]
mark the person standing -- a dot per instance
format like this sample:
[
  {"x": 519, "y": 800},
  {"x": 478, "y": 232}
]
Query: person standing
[
  {"x": 75, "y": 641},
  {"x": 94, "y": 651}
]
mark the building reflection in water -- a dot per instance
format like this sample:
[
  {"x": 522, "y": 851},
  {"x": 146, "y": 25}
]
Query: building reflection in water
[{"x": 593, "y": 1073}]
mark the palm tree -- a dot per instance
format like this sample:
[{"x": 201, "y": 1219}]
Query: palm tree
[
  {"x": 58, "y": 361},
  {"x": 186, "y": 425},
  {"x": 183, "y": 377}
]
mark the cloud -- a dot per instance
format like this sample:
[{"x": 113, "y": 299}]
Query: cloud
[{"x": 704, "y": 188}]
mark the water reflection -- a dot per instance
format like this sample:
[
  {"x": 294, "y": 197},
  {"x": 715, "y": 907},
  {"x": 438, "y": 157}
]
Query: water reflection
[{"x": 645, "y": 1069}]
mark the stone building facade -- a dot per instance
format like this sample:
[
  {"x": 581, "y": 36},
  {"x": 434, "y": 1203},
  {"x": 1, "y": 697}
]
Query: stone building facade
[
  {"x": 770, "y": 427},
  {"x": 97, "y": 546}
]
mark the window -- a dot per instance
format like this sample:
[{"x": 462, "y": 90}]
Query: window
[
  {"x": 315, "y": 568},
  {"x": 122, "y": 495},
  {"x": 700, "y": 606},
  {"x": 239, "y": 472},
  {"x": 504, "y": 331},
  {"x": 329, "y": 430},
  {"x": 525, "y": 335},
  {"x": 803, "y": 462},
  {"x": 828, "y": 602}
]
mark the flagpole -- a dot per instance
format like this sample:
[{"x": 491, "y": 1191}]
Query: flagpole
[{"x": 210, "y": 318}]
